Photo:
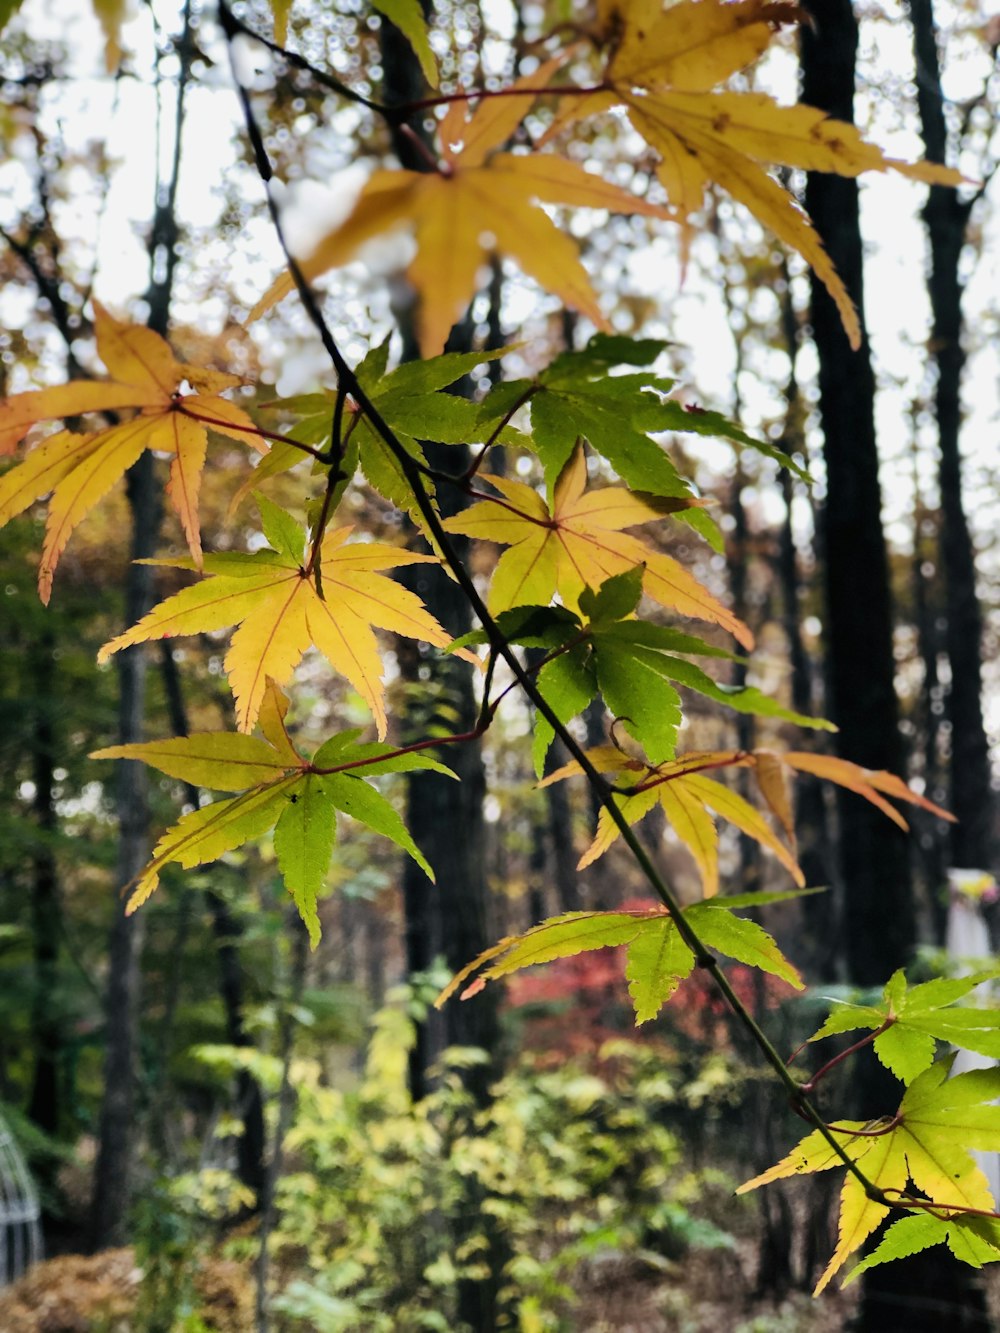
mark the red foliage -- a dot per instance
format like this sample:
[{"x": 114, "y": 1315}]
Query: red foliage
[{"x": 582, "y": 1002}]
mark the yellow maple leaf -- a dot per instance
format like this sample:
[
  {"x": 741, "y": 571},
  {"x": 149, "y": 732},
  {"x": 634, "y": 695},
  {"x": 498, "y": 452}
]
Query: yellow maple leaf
[
  {"x": 580, "y": 543},
  {"x": 688, "y": 798},
  {"x": 478, "y": 203},
  {"x": 79, "y": 469},
  {"x": 662, "y": 66},
  {"x": 927, "y": 1143},
  {"x": 280, "y": 612}
]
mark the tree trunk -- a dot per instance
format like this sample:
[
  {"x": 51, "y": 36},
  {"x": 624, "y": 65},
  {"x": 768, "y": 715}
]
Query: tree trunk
[
  {"x": 46, "y": 1027},
  {"x": 932, "y": 1291},
  {"x": 447, "y": 919},
  {"x": 227, "y": 930},
  {"x": 947, "y": 217},
  {"x": 116, "y": 1137},
  {"x": 818, "y": 937},
  {"x": 878, "y": 908},
  {"x": 116, "y": 1134}
]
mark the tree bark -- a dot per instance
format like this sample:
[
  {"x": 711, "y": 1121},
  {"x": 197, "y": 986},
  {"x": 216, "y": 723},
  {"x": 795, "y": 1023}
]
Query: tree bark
[
  {"x": 116, "y": 1133},
  {"x": 879, "y": 920},
  {"x": 947, "y": 217},
  {"x": 448, "y": 919},
  {"x": 929, "y": 1292},
  {"x": 46, "y": 907}
]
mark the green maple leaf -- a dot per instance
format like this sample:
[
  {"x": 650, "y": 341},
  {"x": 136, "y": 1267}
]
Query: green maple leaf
[
  {"x": 974, "y": 1240},
  {"x": 578, "y": 396},
  {"x": 925, "y": 1145},
  {"x": 280, "y": 789},
  {"x": 916, "y": 1018},
  {"x": 633, "y": 664},
  {"x": 411, "y": 401},
  {"x": 658, "y": 959}
]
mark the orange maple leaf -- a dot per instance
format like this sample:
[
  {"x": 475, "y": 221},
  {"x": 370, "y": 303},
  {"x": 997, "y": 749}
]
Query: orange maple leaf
[
  {"x": 687, "y": 796},
  {"x": 580, "y": 543},
  {"x": 479, "y": 202},
  {"x": 662, "y": 66},
  {"x": 79, "y": 469}
]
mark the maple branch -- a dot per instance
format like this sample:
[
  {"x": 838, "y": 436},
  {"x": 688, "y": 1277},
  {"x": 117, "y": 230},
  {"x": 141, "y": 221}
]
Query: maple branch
[
  {"x": 504, "y": 422},
  {"x": 429, "y": 744},
  {"x": 810, "y": 1086},
  {"x": 487, "y": 94},
  {"x": 502, "y": 647},
  {"x": 320, "y": 455},
  {"x": 893, "y": 1123},
  {"x": 423, "y": 150},
  {"x": 334, "y": 476},
  {"x": 234, "y": 26},
  {"x": 733, "y": 760},
  {"x": 929, "y": 1206}
]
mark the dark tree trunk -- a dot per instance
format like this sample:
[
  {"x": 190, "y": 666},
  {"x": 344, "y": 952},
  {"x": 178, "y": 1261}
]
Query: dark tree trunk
[
  {"x": 931, "y": 1292},
  {"x": 819, "y": 935},
  {"x": 46, "y": 908},
  {"x": 933, "y": 838},
  {"x": 227, "y": 930},
  {"x": 560, "y": 831},
  {"x": 878, "y": 907},
  {"x": 448, "y": 919},
  {"x": 116, "y": 1133},
  {"x": 947, "y": 218}
]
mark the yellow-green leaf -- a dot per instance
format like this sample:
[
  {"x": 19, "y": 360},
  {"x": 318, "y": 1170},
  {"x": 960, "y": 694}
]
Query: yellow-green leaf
[
  {"x": 658, "y": 961},
  {"x": 223, "y": 761}
]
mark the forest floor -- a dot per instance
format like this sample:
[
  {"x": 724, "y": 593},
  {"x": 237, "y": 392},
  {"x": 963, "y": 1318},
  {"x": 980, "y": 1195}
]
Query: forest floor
[{"x": 705, "y": 1292}]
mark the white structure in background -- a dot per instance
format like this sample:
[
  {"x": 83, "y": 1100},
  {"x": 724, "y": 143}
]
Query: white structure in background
[
  {"x": 20, "y": 1231},
  {"x": 968, "y": 942}
]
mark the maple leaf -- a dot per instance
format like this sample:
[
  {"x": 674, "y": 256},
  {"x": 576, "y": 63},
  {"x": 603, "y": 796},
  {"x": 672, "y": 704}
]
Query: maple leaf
[
  {"x": 577, "y": 395},
  {"x": 79, "y": 469},
  {"x": 679, "y": 787},
  {"x": 478, "y": 203},
  {"x": 281, "y": 609},
  {"x": 633, "y": 664},
  {"x": 927, "y": 1143},
  {"x": 281, "y": 789},
  {"x": 910, "y": 1020},
  {"x": 409, "y": 400},
  {"x": 658, "y": 959},
  {"x": 580, "y": 543},
  {"x": 662, "y": 66},
  {"x": 975, "y": 1240}
]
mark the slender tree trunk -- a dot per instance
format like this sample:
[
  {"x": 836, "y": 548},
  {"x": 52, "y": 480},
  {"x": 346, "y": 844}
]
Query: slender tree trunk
[
  {"x": 820, "y": 930},
  {"x": 931, "y": 1292},
  {"x": 878, "y": 907},
  {"x": 46, "y": 907},
  {"x": 447, "y": 919},
  {"x": 227, "y": 930},
  {"x": 947, "y": 217},
  {"x": 116, "y": 1133},
  {"x": 933, "y": 839}
]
